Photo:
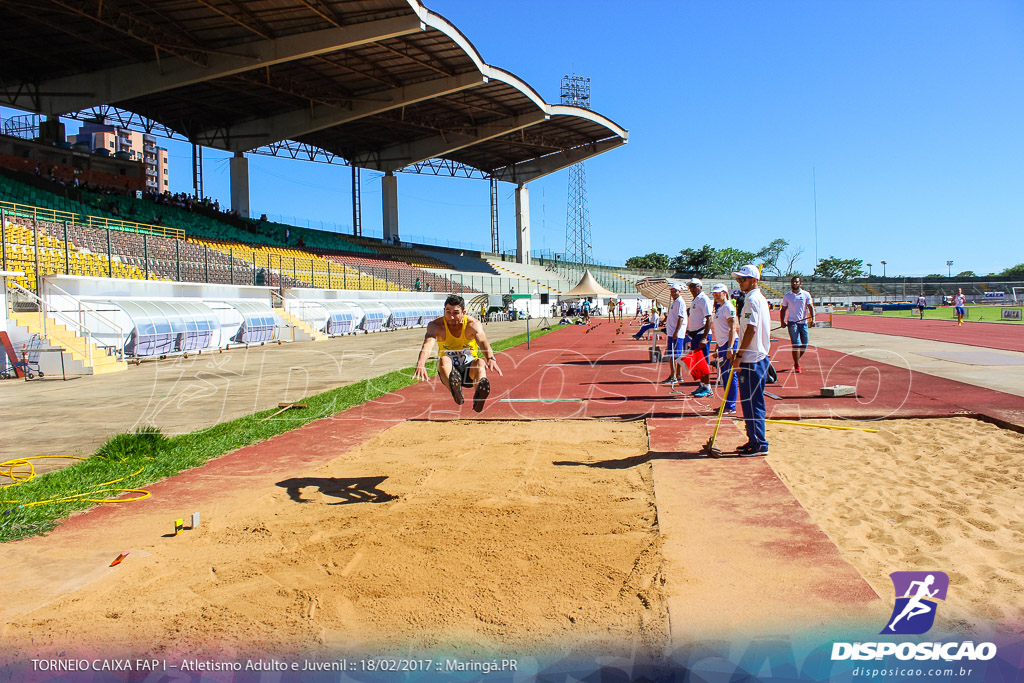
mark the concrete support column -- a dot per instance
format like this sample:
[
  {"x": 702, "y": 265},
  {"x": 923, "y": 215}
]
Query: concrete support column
[
  {"x": 522, "y": 223},
  {"x": 238, "y": 171},
  {"x": 389, "y": 186}
]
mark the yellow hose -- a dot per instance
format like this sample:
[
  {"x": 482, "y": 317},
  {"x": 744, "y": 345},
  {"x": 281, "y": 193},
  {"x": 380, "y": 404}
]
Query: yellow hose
[
  {"x": 810, "y": 424},
  {"x": 21, "y": 470}
]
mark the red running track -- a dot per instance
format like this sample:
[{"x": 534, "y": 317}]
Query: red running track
[
  {"x": 604, "y": 381},
  {"x": 1005, "y": 336}
]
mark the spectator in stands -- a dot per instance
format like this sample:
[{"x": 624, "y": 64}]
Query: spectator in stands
[
  {"x": 752, "y": 356},
  {"x": 460, "y": 340},
  {"x": 417, "y": 285},
  {"x": 698, "y": 329},
  {"x": 959, "y": 302},
  {"x": 921, "y": 303},
  {"x": 797, "y": 313}
]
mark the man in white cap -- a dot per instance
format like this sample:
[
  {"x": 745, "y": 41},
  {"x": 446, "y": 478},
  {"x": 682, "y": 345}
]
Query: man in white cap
[
  {"x": 752, "y": 354},
  {"x": 726, "y": 339},
  {"x": 698, "y": 328},
  {"x": 675, "y": 323}
]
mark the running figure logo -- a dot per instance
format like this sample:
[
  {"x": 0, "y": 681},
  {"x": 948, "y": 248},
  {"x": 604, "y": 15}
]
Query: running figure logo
[{"x": 916, "y": 595}]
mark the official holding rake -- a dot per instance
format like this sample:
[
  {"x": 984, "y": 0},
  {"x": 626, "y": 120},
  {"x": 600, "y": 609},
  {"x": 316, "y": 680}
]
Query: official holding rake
[{"x": 752, "y": 355}]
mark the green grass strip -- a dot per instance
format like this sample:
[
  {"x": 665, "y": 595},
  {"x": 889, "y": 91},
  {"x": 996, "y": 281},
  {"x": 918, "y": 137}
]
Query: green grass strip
[
  {"x": 160, "y": 457},
  {"x": 987, "y": 314}
]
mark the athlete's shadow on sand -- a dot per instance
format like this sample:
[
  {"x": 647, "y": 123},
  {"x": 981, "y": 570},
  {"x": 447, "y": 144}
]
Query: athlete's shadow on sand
[{"x": 355, "y": 490}]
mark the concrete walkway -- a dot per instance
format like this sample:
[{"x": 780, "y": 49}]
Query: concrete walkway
[
  {"x": 180, "y": 395},
  {"x": 975, "y": 365}
]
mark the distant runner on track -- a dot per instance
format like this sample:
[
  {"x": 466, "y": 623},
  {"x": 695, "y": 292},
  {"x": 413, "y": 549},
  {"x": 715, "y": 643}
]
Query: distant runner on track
[
  {"x": 460, "y": 340},
  {"x": 958, "y": 302}
]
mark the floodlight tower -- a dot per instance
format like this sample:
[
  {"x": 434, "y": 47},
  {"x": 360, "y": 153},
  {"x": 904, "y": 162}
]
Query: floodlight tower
[{"x": 576, "y": 92}]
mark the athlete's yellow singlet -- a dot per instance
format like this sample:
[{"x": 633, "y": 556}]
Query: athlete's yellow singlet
[{"x": 458, "y": 345}]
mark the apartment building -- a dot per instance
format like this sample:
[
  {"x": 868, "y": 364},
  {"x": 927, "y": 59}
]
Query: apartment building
[{"x": 128, "y": 144}]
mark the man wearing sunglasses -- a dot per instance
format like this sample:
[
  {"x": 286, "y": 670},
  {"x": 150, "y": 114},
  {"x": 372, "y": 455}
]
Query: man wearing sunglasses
[{"x": 752, "y": 355}]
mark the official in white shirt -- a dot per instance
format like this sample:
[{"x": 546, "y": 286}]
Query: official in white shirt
[
  {"x": 752, "y": 371},
  {"x": 726, "y": 339},
  {"x": 698, "y": 330},
  {"x": 675, "y": 325},
  {"x": 797, "y": 314},
  {"x": 921, "y": 303}
]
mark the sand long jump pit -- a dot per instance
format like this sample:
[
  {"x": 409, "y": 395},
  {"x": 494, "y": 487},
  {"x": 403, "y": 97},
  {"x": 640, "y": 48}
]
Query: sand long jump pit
[
  {"x": 483, "y": 539},
  {"x": 474, "y": 538},
  {"x": 941, "y": 494}
]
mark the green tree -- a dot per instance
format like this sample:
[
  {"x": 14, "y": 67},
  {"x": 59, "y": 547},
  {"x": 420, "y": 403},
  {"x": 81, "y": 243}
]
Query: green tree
[
  {"x": 1014, "y": 271},
  {"x": 966, "y": 273},
  {"x": 729, "y": 259},
  {"x": 770, "y": 255},
  {"x": 839, "y": 269},
  {"x": 696, "y": 261},
  {"x": 652, "y": 261}
]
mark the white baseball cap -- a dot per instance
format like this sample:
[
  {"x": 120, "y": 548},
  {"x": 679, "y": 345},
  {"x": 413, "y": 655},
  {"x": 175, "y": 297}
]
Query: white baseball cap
[
  {"x": 674, "y": 284},
  {"x": 748, "y": 271},
  {"x": 696, "y": 281},
  {"x": 719, "y": 287}
]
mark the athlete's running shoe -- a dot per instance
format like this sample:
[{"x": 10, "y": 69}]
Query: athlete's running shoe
[
  {"x": 483, "y": 390},
  {"x": 455, "y": 385},
  {"x": 797, "y": 369},
  {"x": 701, "y": 393}
]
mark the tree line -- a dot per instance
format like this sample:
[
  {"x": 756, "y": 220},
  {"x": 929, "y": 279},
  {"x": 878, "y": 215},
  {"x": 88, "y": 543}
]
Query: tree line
[{"x": 778, "y": 258}]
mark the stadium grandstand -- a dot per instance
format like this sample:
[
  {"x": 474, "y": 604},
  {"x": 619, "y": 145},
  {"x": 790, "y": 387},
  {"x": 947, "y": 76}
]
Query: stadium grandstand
[
  {"x": 385, "y": 85},
  {"x": 94, "y": 252}
]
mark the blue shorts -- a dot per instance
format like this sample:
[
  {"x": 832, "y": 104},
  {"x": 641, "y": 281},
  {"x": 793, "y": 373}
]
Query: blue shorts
[
  {"x": 675, "y": 348},
  {"x": 798, "y": 334},
  {"x": 960, "y": 310}
]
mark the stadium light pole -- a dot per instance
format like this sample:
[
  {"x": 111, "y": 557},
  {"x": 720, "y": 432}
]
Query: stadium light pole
[
  {"x": 883, "y": 268},
  {"x": 869, "y": 270},
  {"x": 949, "y": 269}
]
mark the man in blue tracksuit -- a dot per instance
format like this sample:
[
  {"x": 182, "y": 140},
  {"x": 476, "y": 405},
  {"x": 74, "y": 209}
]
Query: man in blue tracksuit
[{"x": 752, "y": 354}]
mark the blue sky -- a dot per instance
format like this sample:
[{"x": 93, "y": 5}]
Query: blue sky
[{"x": 907, "y": 113}]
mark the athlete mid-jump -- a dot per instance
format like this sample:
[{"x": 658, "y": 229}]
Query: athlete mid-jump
[{"x": 460, "y": 340}]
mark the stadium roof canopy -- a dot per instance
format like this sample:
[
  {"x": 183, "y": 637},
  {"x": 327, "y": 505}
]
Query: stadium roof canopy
[{"x": 382, "y": 83}]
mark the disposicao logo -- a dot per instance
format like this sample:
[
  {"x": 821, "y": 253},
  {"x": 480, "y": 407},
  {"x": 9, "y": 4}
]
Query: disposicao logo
[{"x": 916, "y": 595}]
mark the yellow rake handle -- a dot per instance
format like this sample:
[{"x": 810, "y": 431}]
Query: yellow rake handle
[
  {"x": 809, "y": 424},
  {"x": 721, "y": 408}
]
